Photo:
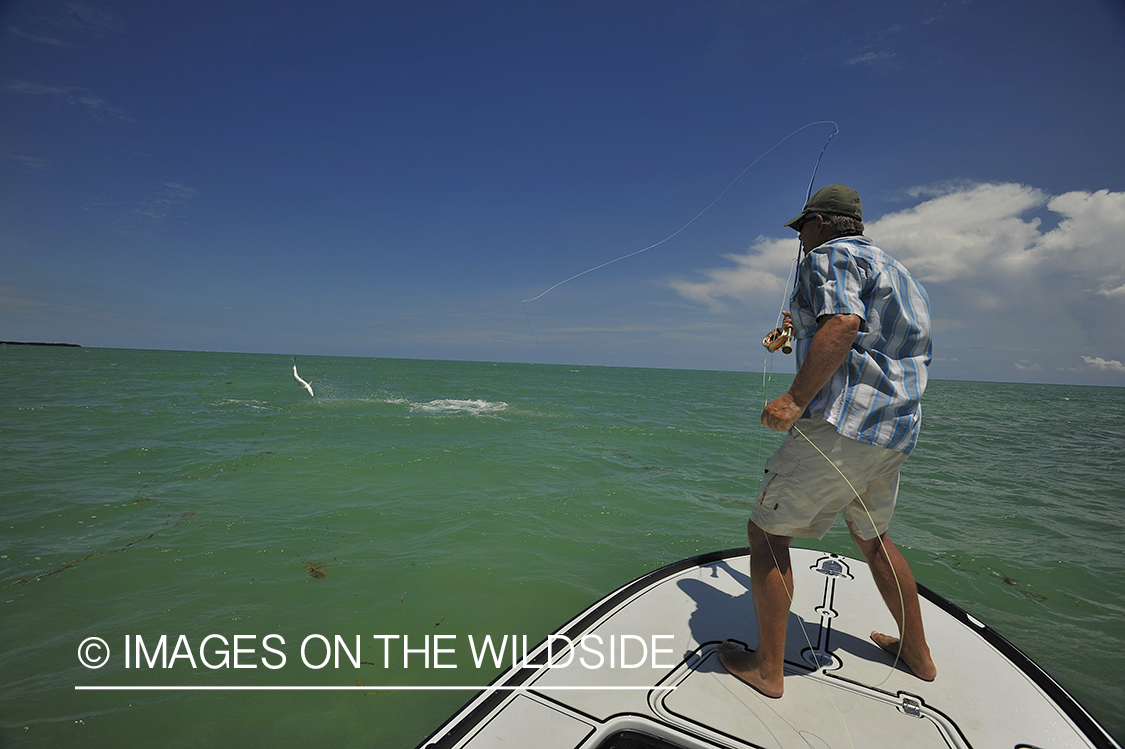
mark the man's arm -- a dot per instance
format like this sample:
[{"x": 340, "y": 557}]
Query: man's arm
[{"x": 829, "y": 347}]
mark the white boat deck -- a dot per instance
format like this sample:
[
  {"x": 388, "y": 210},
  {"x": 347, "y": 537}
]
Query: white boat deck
[{"x": 841, "y": 690}]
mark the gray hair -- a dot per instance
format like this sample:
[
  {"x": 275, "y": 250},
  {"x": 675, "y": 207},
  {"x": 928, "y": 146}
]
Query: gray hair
[{"x": 844, "y": 226}]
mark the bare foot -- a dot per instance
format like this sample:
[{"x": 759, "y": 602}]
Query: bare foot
[
  {"x": 743, "y": 665},
  {"x": 922, "y": 665}
]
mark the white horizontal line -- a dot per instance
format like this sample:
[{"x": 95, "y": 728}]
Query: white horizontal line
[{"x": 118, "y": 688}]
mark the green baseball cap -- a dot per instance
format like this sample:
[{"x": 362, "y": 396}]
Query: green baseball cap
[{"x": 838, "y": 199}]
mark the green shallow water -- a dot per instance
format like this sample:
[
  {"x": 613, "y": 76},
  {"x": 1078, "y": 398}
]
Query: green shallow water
[{"x": 171, "y": 493}]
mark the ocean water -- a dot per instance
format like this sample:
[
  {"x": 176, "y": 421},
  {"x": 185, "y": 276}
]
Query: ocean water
[{"x": 205, "y": 497}]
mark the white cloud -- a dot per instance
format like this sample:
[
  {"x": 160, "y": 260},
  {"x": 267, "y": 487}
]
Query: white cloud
[
  {"x": 1004, "y": 291},
  {"x": 968, "y": 232},
  {"x": 763, "y": 270},
  {"x": 1103, "y": 365},
  {"x": 868, "y": 58},
  {"x": 1088, "y": 239},
  {"x": 963, "y": 232}
]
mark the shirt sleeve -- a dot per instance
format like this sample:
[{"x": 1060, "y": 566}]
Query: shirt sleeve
[{"x": 835, "y": 282}]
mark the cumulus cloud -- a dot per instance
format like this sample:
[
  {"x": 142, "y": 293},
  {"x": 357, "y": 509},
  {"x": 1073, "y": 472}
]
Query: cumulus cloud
[
  {"x": 964, "y": 232},
  {"x": 1104, "y": 366},
  {"x": 1001, "y": 282},
  {"x": 761, "y": 270},
  {"x": 968, "y": 232},
  {"x": 1089, "y": 238}
]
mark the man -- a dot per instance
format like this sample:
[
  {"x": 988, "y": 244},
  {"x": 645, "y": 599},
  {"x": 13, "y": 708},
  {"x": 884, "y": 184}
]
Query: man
[{"x": 863, "y": 344}]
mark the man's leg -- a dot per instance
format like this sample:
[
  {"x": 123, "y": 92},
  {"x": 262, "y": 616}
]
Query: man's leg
[
  {"x": 896, "y": 584},
  {"x": 771, "y": 582}
]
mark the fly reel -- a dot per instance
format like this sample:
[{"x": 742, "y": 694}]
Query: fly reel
[{"x": 780, "y": 338}]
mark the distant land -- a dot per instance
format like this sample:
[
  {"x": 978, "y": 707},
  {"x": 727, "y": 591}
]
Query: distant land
[{"x": 36, "y": 343}]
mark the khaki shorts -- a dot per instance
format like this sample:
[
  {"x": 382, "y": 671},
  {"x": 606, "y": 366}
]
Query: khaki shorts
[{"x": 803, "y": 492}]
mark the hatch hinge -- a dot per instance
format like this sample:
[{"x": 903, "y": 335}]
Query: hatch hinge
[{"x": 912, "y": 707}]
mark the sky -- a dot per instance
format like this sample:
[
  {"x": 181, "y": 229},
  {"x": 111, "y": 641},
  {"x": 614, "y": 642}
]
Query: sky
[{"x": 407, "y": 179}]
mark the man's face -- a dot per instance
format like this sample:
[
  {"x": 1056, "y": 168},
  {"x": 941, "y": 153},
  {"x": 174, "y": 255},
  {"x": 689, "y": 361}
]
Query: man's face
[{"x": 813, "y": 231}]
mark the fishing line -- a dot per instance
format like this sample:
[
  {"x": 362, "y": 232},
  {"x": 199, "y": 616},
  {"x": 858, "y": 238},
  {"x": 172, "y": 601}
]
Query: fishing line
[
  {"x": 767, "y": 377},
  {"x": 835, "y": 130},
  {"x": 871, "y": 519},
  {"x": 788, "y": 591},
  {"x": 808, "y": 196},
  {"x": 882, "y": 546}
]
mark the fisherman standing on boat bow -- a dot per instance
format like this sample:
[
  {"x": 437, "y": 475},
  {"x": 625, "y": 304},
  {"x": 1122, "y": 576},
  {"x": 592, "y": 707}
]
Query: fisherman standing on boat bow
[{"x": 862, "y": 329}]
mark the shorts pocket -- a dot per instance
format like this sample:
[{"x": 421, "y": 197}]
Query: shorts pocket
[
  {"x": 781, "y": 464},
  {"x": 777, "y": 465}
]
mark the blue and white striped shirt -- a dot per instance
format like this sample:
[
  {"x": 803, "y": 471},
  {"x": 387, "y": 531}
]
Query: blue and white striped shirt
[{"x": 875, "y": 396}]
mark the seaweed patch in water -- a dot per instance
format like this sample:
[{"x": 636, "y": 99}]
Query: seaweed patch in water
[
  {"x": 70, "y": 565},
  {"x": 316, "y": 569}
]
